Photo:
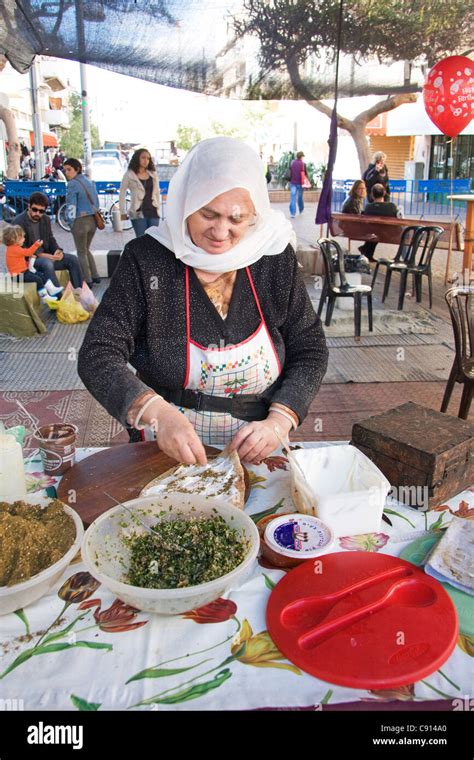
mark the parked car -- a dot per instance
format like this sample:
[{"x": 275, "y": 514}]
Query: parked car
[
  {"x": 109, "y": 153},
  {"x": 106, "y": 169}
]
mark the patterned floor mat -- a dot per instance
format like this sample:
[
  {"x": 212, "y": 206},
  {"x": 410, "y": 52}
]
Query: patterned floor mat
[{"x": 95, "y": 426}]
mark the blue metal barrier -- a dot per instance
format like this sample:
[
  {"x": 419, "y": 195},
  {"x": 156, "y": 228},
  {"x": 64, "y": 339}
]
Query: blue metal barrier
[
  {"x": 416, "y": 198},
  {"x": 18, "y": 192},
  {"x": 113, "y": 188}
]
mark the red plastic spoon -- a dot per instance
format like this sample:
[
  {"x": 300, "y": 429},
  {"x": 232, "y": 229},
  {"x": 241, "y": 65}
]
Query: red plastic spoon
[
  {"x": 404, "y": 593},
  {"x": 308, "y": 611}
]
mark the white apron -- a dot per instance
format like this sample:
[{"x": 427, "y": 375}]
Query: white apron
[{"x": 249, "y": 367}]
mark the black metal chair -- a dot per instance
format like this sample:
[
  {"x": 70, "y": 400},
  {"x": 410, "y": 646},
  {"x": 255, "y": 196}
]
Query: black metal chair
[
  {"x": 419, "y": 264},
  {"x": 335, "y": 274},
  {"x": 461, "y": 308},
  {"x": 403, "y": 253}
]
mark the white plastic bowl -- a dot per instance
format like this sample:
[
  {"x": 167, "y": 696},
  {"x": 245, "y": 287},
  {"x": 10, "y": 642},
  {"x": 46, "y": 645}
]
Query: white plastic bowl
[
  {"x": 21, "y": 594},
  {"x": 107, "y": 557}
]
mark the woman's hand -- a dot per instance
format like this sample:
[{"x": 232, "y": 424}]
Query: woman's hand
[
  {"x": 174, "y": 433},
  {"x": 257, "y": 440}
]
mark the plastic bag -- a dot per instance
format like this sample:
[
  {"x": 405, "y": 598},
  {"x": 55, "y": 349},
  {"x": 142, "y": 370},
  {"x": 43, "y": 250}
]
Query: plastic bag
[
  {"x": 306, "y": 184},
  {"x": 69, "y": 310},
  {"x": 88, "y": 300}
]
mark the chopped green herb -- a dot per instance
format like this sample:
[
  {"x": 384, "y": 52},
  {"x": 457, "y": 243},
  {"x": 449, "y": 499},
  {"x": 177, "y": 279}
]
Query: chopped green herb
[{"x": 185, "y": 552}]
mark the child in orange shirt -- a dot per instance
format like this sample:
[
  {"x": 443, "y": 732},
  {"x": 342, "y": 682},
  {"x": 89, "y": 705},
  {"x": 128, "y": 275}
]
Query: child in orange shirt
[{"x": 20, "y": 262}]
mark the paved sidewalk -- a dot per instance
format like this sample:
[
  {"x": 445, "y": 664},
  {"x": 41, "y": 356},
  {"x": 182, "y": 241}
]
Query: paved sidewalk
[{"x": 307, "y": 233}]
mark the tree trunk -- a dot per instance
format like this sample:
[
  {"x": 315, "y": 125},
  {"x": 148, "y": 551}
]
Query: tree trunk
[
  {"x": 14, "y": 150},
  {"x": 357, "y": 132}
]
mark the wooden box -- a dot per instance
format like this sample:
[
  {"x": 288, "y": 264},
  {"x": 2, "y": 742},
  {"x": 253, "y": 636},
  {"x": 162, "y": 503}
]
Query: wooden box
[{"x": 428, "y": 457}]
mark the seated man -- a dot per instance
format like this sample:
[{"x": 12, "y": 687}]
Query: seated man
[
  {"x": 378, "y": 207},
  {"x": 50, "y": 257}
]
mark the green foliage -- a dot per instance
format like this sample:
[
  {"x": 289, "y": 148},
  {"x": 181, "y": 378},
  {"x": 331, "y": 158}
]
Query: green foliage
[
  {"x": 282, "y": 167},
  {"x": 71, "y": 141},
  {"x": 291, "y": 31},
  {"x": 186, "y": 137},
  {"x": 220, "y": 129},
  {"x": 285, "y": 161}
]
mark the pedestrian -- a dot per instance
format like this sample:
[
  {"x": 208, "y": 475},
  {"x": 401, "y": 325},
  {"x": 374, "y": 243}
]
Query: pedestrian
[
  {"x": 377, "y": 174},
  {"x": 141, "y": 180},
  {"x": 50, "y": 257},
  {"x": 378, "y": 207},
  {"x": 58, "y": 160},
  {"x": 297, "y": 174},
  {"x": 354, "y": 202},
  {"x": 82, "y": 202}
]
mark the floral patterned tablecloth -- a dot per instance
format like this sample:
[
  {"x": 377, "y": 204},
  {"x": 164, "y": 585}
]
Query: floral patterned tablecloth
[{"x": 81, "y": 648}]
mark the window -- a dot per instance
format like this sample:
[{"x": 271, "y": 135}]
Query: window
[{"x": 463, "y": 157}]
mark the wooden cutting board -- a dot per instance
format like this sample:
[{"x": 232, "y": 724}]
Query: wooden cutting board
[{"x": 122, "y": 471}]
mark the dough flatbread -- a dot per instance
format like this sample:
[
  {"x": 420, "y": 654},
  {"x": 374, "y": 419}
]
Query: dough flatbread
[{"x": 221, "y": 478}]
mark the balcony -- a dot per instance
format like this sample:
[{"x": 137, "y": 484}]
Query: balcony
[{"x": 53, "y": 76}]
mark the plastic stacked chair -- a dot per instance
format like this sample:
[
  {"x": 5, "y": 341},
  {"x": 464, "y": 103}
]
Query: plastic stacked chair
[
  {"x": 403, "y": 254},
  {"x": 461, "y": 308},
  {"x": 417, "y": 263},
  {"x": 336, "y": 285}
]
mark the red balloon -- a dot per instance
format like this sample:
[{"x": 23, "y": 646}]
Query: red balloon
[{"x": 448, "y": 94}]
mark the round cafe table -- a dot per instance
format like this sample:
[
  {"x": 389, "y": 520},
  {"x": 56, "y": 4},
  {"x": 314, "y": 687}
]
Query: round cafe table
[{"x": 469, "y": 233}]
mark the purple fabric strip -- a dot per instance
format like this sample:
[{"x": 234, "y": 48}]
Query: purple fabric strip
[{"x": 323, "y": 212}]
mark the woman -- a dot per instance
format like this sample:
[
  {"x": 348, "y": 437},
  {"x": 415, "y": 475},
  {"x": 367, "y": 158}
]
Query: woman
[
  {"x": 377, "y": 174},
  {"x": 354, "y": 202},
  {"x": 297, "y": 171},
  {"x": 81, "y": 203},
  {"x": 211, "y": 310},
  {"x": 141, "y": 180}
]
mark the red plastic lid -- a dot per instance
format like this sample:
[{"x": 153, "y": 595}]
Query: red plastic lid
[{"x": 367, "y": 621}]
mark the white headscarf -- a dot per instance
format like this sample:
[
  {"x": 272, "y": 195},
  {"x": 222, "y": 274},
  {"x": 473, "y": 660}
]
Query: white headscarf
[{"x": 211, "y": 168}]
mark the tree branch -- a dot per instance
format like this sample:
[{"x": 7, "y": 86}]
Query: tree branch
[
  {"x": 303, "y": 90},
  {"x": 385, "y": 105}
]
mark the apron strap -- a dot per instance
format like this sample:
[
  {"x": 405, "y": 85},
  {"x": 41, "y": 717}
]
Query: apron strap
[
  {"x": 188, "y": 328},
  {"x": 247, "y": 269}
]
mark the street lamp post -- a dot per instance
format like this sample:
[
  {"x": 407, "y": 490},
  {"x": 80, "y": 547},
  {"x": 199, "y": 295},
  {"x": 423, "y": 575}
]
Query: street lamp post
[
  {"x": 37, "y": 129},
  {"x": 86, "y": 132}
]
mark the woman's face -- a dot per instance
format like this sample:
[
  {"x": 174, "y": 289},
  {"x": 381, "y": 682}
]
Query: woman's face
[
  {"x": 360, "y": 190},
  {"x": 221, "y": 224},
  {"x": 144, "y": 159},
  {"x": 69, "y": 172}
]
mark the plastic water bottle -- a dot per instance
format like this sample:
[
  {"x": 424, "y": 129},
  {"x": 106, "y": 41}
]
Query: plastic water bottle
[{"x": 12, "y": 469}]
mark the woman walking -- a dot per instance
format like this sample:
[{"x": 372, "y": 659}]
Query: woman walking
[
  {"x": 81, "y": 204},
  {"x": 141, "y": 180},
  {"x": 297, "y": 171}
]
